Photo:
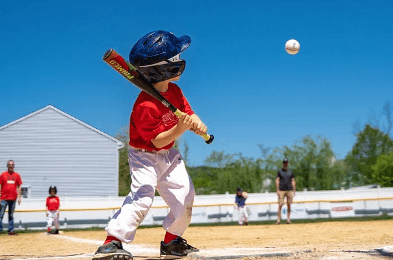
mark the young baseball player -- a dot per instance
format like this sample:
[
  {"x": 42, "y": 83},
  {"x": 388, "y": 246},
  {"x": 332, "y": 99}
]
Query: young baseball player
[
  {"x": 52, "y": 210},
  {"x": 154, "y": 165},
  {"x": 240, "y": 204}
]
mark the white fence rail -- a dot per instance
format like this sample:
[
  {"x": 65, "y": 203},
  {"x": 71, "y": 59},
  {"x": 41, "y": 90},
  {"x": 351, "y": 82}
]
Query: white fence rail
[{"x": 80, "y": 212}]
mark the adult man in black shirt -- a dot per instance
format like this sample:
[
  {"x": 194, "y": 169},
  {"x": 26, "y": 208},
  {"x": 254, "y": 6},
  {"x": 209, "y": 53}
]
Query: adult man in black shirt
[{"x": 285, "y": 187}]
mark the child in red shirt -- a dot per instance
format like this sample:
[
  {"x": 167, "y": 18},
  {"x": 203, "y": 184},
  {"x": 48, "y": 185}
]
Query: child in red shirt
[
  {"x": 52, "y": 210},
  {"x": 154, "y": 165}
]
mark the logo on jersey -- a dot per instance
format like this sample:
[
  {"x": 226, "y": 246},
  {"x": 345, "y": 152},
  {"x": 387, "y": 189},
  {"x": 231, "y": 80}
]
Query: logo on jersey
[
  {"x": 11, "y": 179},
  {"x": 169, "y": 119},
  {"x": 52, "y": 200}
]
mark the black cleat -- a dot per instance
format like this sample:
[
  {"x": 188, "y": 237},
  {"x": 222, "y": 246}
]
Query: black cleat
[
  {"x": 177, "y": 247},
  {"x": 112, "y": 251}
]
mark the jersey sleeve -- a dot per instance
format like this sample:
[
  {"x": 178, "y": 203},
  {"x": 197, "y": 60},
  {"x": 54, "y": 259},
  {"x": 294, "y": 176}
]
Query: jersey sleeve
[
  {"x": 148, "y": 122},
  {"x": 47, "y": 204},
  {"x": 18, "y": 181},
  {"x": 278, "y": 174},
  {"x": 184, "y": 105}
]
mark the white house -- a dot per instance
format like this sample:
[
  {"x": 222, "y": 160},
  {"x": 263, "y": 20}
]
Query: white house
[{"x": 50, "y": 147}]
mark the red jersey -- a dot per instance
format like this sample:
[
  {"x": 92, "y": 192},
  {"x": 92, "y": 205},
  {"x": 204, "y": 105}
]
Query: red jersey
[
  {"x": 9, "y": 185},
  {"x": 149, "y": 117},
  {"x": 53, "y": 203}
]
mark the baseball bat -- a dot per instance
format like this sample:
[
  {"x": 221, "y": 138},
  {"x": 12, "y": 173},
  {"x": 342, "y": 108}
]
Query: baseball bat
[{"x": 132, "y": 74}]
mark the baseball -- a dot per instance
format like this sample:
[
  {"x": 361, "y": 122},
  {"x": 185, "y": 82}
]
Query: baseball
[{"x": 292, "y": 46}]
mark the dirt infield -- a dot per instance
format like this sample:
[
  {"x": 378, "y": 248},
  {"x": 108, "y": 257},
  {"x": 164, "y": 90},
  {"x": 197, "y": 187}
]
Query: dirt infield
[{"x": 324, "y": 240}]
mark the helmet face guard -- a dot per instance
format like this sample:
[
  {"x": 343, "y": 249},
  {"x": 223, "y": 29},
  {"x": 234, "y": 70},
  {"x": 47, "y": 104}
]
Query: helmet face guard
[{"x": 158, "y": 73}]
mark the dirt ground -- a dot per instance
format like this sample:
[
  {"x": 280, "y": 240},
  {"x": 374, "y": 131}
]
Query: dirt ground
[{"x": 327, "y": 240}]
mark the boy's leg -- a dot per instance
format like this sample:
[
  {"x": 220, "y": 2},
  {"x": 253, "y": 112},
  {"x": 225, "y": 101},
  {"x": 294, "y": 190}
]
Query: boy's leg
[
  {"x": 245, "y": 215},
  {"x": 123, "y": 225},
  {"x": 56, "y": 221},
  {"x": 176, "y": 188},
  {"x": 135, "y": 207},
  {"x": 240, "y": 216},
  {"x": 49, "y": 221}
]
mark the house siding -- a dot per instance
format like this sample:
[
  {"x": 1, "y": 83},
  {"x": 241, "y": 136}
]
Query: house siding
[{"x": 53, "y": 148}]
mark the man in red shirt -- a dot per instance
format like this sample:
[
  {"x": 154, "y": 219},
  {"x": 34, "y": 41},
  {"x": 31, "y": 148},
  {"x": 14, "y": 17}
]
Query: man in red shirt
[{"x": 10, "y": 183}]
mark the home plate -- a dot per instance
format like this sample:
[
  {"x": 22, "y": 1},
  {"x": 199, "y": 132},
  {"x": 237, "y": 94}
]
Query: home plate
[
  {"x": 386, "y": 251},
  {"x": 234, "y": 253}
]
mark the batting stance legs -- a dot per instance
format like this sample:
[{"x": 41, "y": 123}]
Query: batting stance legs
[{"x": 165, "y": 172}]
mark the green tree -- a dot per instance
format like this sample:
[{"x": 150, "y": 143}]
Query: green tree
[
  {"x": 203, "y": 178},
  {"x": 370, "y": 144},
  {"x": 231, "y": 171},
  {"x": 312, "y": 161},
  {"x": 241, "y": 172},
  {"x": 124, "y": 169},
  {"x": 382, "y": 170},
  {"x": 218, "y": 159},
  {"x": 182, "y": 146}
]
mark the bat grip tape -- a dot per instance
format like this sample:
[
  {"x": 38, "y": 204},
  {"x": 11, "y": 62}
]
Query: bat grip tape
[{"x": 208, "y": 138}]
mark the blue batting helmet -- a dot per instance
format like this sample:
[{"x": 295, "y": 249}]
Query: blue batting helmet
[{"x": 157, "y": 55}]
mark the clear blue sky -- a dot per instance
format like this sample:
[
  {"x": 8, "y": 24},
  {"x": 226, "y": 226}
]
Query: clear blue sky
[{"x": 238, "y": 78}]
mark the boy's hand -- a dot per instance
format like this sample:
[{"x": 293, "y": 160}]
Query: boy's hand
[
  {"x": 198, "y": 126},
  {"x": 185, "y": 122}
]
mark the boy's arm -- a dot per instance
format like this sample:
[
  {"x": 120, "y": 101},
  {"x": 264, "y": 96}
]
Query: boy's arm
[{"x": 167, "y": 137}]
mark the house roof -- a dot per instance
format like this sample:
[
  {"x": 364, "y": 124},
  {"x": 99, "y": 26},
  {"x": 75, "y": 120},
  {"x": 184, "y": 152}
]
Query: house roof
[{"x": 121, "y": 144}]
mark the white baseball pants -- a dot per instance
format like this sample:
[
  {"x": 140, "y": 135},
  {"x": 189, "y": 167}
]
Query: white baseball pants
[
  {"x": 53, "y": 218},
  {"x": 165, "y": 173},
  {"x": 243, "y": 215}
]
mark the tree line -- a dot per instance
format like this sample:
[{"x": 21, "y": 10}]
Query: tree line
[{"x": 312, "y": 161}]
